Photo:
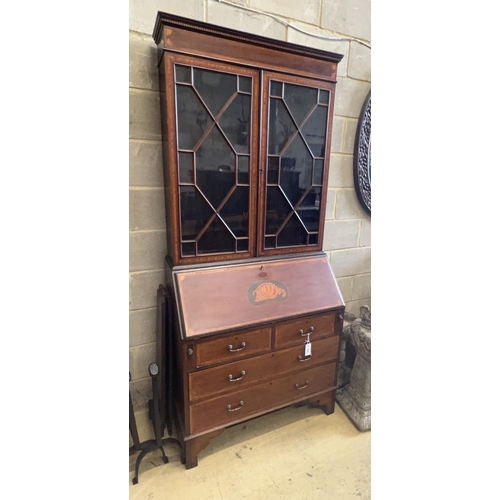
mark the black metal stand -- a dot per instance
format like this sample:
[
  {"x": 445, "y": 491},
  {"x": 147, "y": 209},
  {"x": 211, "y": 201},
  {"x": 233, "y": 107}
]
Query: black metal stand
[
  {"x": 161, "y": 406},
  {"x": 165, "y": 357},
  {"x": 131, "y": 423},
  {"x": 152, "y": 444}
]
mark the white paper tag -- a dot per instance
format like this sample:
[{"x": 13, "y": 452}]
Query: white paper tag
[{"x": 308, "y": 349}]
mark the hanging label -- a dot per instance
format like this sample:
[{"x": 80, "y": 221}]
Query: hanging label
[{"x": 308, "y": 349}]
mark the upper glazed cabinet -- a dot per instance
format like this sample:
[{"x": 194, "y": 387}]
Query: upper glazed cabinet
[{"x": 246, "y": 125}]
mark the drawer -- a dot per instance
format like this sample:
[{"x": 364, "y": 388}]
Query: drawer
[
  {"x": 231, "y": 347},
  {"x": 234, "y": 376},
  {"x": 239, "y": 405},
  {"x": 289, "y": 332}
]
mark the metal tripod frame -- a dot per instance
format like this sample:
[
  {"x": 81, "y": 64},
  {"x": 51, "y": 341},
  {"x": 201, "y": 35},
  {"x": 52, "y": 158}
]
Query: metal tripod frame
[{"x": 160, "y": 407}]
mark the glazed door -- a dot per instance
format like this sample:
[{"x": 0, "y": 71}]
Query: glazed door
[
  {"x": 214, "y": 149},
  {"x": 297, "y": 115}
]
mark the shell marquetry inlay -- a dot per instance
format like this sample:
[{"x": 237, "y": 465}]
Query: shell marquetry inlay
[{"x": 269, "y": 290}]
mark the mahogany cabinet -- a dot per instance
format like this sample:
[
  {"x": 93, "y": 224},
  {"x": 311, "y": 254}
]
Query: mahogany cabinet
[{"x": 246, "y": 127}]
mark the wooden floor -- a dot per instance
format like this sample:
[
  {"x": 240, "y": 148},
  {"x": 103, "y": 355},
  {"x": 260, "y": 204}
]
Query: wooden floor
[{"x": 294, "y": 453}]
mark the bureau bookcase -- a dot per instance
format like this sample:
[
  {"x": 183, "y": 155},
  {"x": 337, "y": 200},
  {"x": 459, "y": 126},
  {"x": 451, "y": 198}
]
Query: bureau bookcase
[{"x": 257, "y": 313}]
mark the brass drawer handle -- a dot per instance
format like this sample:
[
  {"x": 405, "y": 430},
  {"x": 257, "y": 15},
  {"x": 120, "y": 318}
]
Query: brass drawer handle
[
  {"x": 308, "y": 333},
  {"x": 307, "y": 358},
  {"x": 303, "y": 387},
  {"x": 230, "y": 347},
  {"x": 235, "y": 409},
  {"x": 231, "y": 379}
]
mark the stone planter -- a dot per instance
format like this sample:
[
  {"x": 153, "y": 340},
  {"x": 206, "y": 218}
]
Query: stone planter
[{"x": 355, "y": 397}]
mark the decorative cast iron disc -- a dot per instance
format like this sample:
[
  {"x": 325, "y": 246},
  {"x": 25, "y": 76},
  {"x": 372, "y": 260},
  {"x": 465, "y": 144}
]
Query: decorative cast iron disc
[{"x": 362, "y": 156}]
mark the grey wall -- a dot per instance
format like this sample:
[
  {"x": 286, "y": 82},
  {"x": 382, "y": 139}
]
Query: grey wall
[{"x": 347, "y": 231}]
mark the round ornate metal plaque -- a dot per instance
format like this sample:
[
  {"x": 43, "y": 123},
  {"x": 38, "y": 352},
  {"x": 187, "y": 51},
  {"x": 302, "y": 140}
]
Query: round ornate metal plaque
[{"x": 362, "y": 156}]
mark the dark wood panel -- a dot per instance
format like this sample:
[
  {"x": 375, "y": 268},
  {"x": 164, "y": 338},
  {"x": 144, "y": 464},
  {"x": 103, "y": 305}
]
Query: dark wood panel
[
  {"x": 213, "y": 381},
  {"x": 253, "y": 293},
  {"x": 164, "y": 106},
  {"x": 194, "y": 445},
  {"x": 215, "y": 412},
  {"x": 217, "y": 350},
  {"x": 288, "y": 332},
  {"x": 173, "y": 33}
]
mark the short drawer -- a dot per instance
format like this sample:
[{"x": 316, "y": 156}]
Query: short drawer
[
  {"x": 239, "y": 374},
  {"x": 293, "y": 332},
  {"x": 239, "y": 405},
  {"x": 231, "y": 347}
]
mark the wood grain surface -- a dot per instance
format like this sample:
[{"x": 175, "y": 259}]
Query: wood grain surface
[{"x": 217, "y": 299}]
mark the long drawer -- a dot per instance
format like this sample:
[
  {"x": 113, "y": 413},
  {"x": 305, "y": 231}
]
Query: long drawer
[
  {"x": 294, "y": 332},
  {"x": 242, "y": 404},
  {"x": 240, "y": 374},
  {"x": 228, "y": 348}
]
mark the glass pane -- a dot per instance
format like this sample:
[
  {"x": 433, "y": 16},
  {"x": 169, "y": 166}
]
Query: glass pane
[
  {"x": 300, "y": 100},
  {"x": 324, "y": 96},
  {"x": 281, "y": 126},
  {"x": 182, "y": 74},
  {"x": 195, "y": 212},
  {"x": 296, "y": 168},
  {"x": 242, "y": 245},
  {"x": 235, "y": 123},
  {"x": 244, "y": 84},
  {"x": 186, "y": 168},
  {"x": 235, "y": 211},
  {"x": 277, "y": 208},
  {"x": 270, "y": 242},
  {"x": 273, "y": 163},
  {"x": 215, "y": 166},
  {"x": 309, "y": 209},
  {"x": 216, "y": 239},
  {"x": 192, "y": 118},
  {"x": 243, "y": 162},
  {"x": 188, "y": 249},
  {"x": 296, "y": 161},
  {"x": 293, "y": 233},
  {"x": 276, "y": 89},
  {"x": 318, "y": 172},
  {"x": 312, "y": 198},
  {"x": 214, "y": 88},
  {"x": 314, "y": 131}
]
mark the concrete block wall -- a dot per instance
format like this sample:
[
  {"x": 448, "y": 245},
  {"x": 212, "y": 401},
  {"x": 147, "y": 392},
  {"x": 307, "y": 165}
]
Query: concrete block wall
[{"x": 347, "y": 231}]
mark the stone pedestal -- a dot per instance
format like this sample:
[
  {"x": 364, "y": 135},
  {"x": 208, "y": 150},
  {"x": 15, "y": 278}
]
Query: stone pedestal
[
  {"x": 355, "y": 397},
  {"x": 345, "y": 364}
]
